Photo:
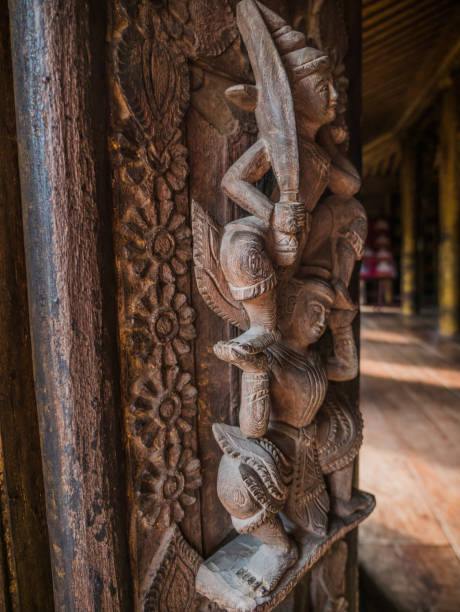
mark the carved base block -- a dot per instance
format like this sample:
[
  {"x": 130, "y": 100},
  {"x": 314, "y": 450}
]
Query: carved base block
[{"x": 217, "y": 579}]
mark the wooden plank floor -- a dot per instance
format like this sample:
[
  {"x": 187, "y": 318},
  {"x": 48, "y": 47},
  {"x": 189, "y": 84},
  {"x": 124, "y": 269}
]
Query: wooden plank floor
[{"x": 410, "y": 399}]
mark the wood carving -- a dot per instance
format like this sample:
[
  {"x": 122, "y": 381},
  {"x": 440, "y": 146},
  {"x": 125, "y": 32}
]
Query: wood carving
[
  {"x": 151, "y": 45},
  {"x": 328, "y": 581},
  {"x": 172, "y": 587},
  {"x": 281, "y": 275}
]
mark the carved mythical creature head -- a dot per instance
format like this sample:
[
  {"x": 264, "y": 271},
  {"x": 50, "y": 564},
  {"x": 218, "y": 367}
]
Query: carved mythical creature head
[{"x": 304, "y": 307}]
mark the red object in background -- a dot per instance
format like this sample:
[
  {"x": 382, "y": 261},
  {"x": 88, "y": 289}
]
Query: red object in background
[{"x": 378, "y": 261}]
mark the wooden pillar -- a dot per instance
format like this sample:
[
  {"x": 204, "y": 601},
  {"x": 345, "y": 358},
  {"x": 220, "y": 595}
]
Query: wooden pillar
[
  {"x": 58, "y": 56},
  {"x": 408, "y": 206},
  {"x": 24, "y": 536},
  {"x": 449, "y": 214}
]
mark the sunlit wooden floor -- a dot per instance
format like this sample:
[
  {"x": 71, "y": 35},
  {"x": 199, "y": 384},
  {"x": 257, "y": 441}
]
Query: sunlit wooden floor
[{"x": 410, "y": 398}]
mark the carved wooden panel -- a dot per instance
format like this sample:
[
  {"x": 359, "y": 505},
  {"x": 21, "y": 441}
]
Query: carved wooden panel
[
  {"x": 151, "y": 44},
  {"x": 173, "y": 137}
]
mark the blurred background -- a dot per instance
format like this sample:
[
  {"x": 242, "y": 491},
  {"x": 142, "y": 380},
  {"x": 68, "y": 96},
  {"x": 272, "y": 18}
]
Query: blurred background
[{"x": 410, "y": 348}]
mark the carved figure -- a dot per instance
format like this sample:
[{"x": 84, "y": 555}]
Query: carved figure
[
  {"x": 308, "y": 437},
  {"x": 281, "y": 275},
  {"x": 293, "y": 99}
]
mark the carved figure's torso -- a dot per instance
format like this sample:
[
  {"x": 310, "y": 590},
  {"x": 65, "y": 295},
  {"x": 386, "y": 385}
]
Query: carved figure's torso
[
  {"x": 314, "y": 165},
  {"x": 298, "y": 385}
]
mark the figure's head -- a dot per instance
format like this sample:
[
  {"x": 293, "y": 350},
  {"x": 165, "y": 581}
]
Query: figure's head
[
  {"x": 308, "y": 70},
  {"x": 304, "y": 306},
  {"x": 315, "y": 96}
]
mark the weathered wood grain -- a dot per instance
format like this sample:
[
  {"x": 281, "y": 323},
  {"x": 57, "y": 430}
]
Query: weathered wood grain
[
  {"x": 216, "y": 400},
  {"x": 24, "y": 530},
  {"x": 59, "y": 53},
  {"x": 61, "y": 111}
]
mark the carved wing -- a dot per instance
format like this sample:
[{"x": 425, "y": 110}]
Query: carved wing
[
  {"x": 261, "y": 455},
  {"x": 208, "y": 272}
]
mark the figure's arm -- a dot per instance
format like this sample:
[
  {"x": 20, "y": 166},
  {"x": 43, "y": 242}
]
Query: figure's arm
[
  {"x": 249, "y": 168},
  {"x": 343, "y": 178},
  {"x": 343, "y": 364}
]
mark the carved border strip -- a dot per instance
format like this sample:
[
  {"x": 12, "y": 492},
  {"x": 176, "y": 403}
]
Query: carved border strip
[{"x": 150, "y": 44}]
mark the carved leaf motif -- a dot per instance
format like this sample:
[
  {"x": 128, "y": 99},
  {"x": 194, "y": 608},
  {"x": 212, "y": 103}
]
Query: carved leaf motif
[
  {"x": 264, "y": 458},
  {"x": 154, "y": 81},
  {"x": 173, "y": 587},
  {"x": 340, "y": 433},
  {"x": 257, "y": 490}
]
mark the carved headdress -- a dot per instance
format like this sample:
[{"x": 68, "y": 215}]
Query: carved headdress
[
  {"x": 298, "y": 59},
  {"x": 312, "y": 286},
  {"x": 279, "y": 55}
]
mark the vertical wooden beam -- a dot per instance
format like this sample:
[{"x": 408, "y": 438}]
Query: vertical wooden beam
[
  {"x": 449, "y": 216},
  {"x": 58, "y": 51},
  {"x": 22, "y": 505},
  {"x": 408, "y": 268}
]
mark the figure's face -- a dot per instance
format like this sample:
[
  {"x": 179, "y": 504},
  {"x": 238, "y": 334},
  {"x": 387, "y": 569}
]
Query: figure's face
[
  {"x": 315, "y": 97},
  {"x": 305, "y": 317},
  {"x": 315, "y": 322}
]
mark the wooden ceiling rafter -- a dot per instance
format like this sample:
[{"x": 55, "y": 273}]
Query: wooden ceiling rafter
[
  {"x": 402, "y": 27},
  {"x": 395, "y": 81},
  {"x": 407, "y": 47},
  {"x": 397, "y": 13},
  {"x": 428, "y": 88},
  {"x": 410, "y": 56},
  {"x": 374, "y": 8},
  {"x": 403, "y": 43}
]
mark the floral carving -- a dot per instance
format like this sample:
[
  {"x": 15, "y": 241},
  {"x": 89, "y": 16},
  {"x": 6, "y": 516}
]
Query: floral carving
[
  {"x": 157, "y": 172},
  {"x": 157, "y": 242},
  {"x": 154, "y": 248},
  {"x": 167, "y": 489},
  {"x": 163, "y": 405},
  {"x": 162, "y": 325},
  {"x": 151, "y": 44}
]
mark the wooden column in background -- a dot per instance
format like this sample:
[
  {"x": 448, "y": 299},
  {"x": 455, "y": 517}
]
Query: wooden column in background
[
  {"x": 449, "y": 215},
  {"x": 408, "y": 211}
]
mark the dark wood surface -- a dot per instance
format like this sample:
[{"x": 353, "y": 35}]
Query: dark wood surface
[
  {"x": 216, "y": 382},
  {"x": 61, "y": 108},
  {"x": 410, "y": 399},
  {"x": 25, "y": 584}
]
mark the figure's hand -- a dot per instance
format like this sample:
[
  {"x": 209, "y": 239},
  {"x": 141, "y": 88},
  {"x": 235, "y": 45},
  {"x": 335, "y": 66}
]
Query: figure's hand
[
  {"x": 288, "y": 217},
  {"x": 340, "y": 319},
  {"x": 340, "y": 134},
  {"x": 333, "y": 135}
]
